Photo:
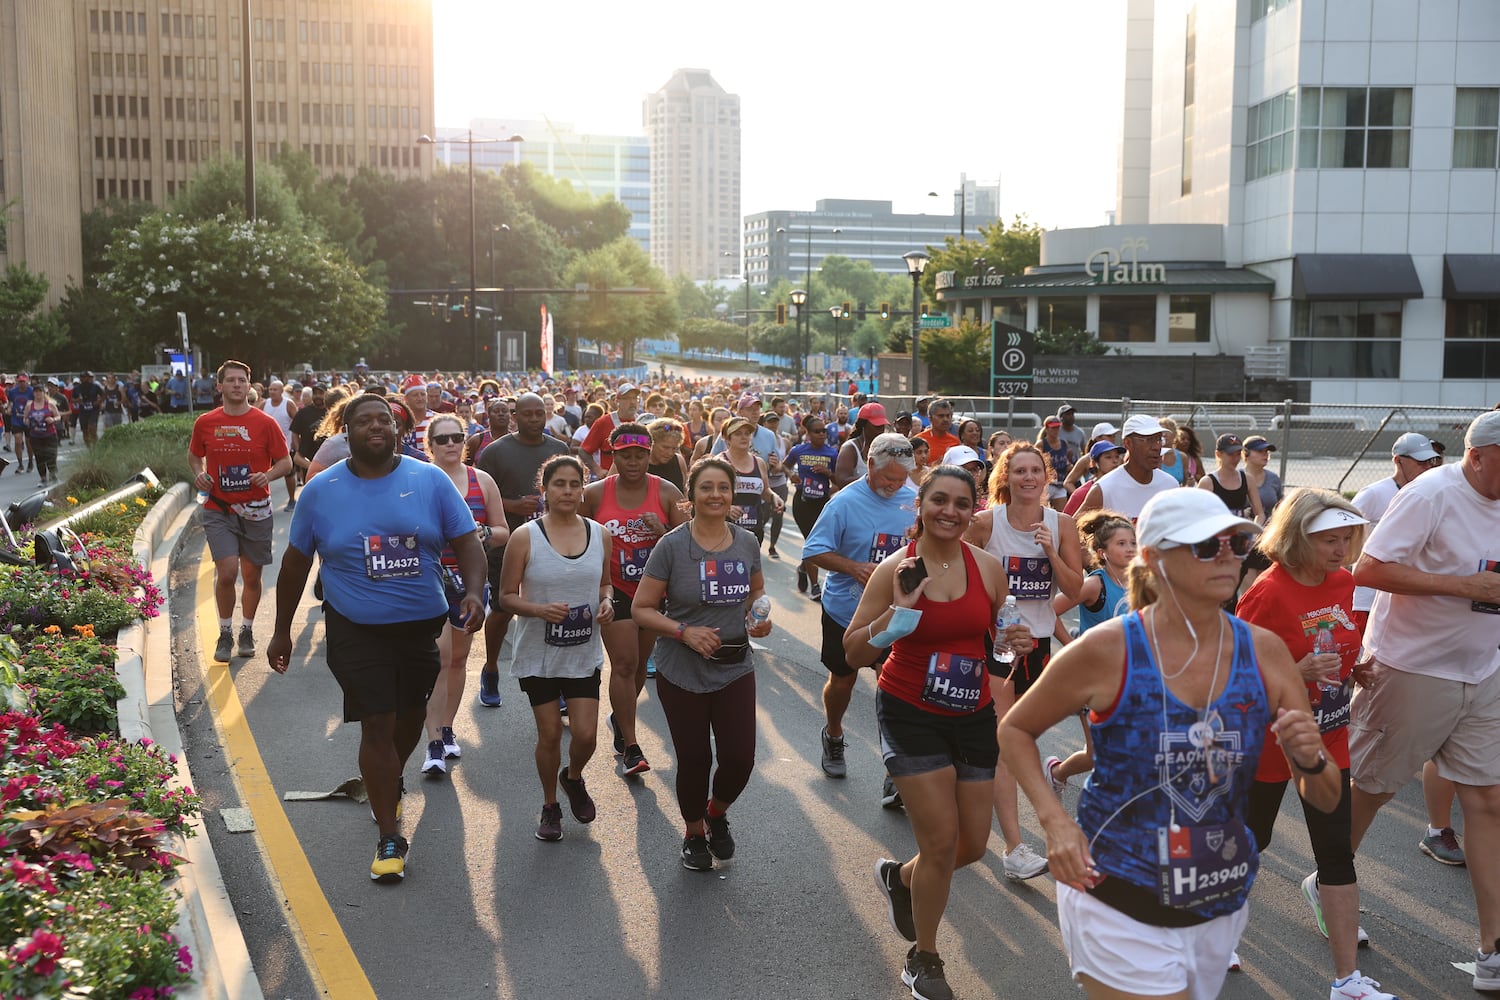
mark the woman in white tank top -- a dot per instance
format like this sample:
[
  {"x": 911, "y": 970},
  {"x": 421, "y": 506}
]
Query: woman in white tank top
[{"x": 1042, "y": 556}]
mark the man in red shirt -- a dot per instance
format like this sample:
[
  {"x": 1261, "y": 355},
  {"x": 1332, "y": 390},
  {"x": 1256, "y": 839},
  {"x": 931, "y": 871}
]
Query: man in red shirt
[
  {"x": 938, "y": 437},
  {"x": 596, "y": 442},
  {"x": 236, "y": 452}
]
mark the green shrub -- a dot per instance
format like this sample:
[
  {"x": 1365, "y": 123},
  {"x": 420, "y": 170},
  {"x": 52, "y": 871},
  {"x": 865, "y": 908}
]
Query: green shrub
[{"x": 158, "y": 443}]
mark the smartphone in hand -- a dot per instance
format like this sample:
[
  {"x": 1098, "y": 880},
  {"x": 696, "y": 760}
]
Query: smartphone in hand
[{"x": 912, "y": 575}]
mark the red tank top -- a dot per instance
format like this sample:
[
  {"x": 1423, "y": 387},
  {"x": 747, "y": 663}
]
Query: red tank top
[
  {"x": 633, "y": 541},
  {"x": 474, "y": 497},
  {"x": 944, "y": 657}
]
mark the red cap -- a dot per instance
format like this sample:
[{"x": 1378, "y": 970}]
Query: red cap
[{"x": 873, "y": 414}]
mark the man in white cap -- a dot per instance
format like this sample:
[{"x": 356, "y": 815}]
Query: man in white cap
[
  {"x": 1432, "y": 684},
  {"x": 1127, "y": 488}
]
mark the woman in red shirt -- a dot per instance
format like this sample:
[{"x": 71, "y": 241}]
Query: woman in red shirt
[
  {"x": 1312, "y": 536},
  {"x": 936, "y": 715}
]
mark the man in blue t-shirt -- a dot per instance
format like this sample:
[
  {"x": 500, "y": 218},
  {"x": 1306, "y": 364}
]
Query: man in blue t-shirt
[
  {"x": 863, "y": 523},
  {"x": 385, "y": 600}
]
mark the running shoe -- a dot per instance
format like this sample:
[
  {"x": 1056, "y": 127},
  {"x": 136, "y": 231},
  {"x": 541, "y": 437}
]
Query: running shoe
[
  {"x": 291, "y": 505},
  {"x": 619, "y": 739},
  {"x": 580, "y": 803},
  {"x": 1234, "y": 961},
  {"x": 1487, "y": 971},
  {"x": 450, "y": 742},
  {"x": 1358, "y": 987},
  {"x": 816, "y": 593},
  {"x": 389, "y": 865},
  {"x": 897, "y": 898},
  {"x": 889, "y": 797},
  {"x": 924, "y": 974},
  {"x": 435, "y": 764},
  {"x": 246, "y": 645},
  {"x": 695, "y": 853},
  {"x": 773, "y": 553},
  {"x": 550, "y": 827},
  {"x": 1443, "y": 846},
  {"x": 1310, "y": 893},
  {"x": 802, "y": 580},
  {"x": 1023, "y": 863},
  {"x": 635, "y": 761},
  {"x": 833, "y": 755},
  {"x": 1059, "y": 785},
  {"x": 489, "y": 688},
  {"x": 225, "y": 647},
  {"x": 720, "y": 840},
  {"x": 562, "y": 706}
]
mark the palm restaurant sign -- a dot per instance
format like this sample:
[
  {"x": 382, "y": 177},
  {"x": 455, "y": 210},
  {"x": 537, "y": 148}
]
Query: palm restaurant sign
[{"x": 1107, "y": 266}]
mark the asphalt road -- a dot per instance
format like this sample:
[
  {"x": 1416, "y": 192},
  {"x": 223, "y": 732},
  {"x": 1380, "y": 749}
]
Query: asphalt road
[{"x": 488, "y": 911}]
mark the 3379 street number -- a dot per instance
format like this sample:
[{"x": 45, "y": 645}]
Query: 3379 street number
[{"x": 1017, "y": 387}]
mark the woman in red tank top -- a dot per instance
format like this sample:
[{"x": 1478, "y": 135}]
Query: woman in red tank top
[
  {"x": 636, "y": 508},
  {"x": 932, "y": 603}
]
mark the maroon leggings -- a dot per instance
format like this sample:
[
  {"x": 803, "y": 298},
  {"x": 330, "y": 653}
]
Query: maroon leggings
[{"x": 730, "y": 713}]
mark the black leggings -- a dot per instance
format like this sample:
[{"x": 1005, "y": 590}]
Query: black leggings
[
  {"x": 45, "y": 452},
  {"x": 730, "y": 713},
  {"x": 777, "y": 516},
  {"x": 806, "y": 513},
  {"x": 1330, "y": 833}
]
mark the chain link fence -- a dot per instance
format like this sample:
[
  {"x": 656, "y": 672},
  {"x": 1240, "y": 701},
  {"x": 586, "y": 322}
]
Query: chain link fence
[{"x": 1342, "y": 447}]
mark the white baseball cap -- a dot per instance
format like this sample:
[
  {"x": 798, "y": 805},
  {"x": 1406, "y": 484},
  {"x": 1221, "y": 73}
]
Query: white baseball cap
[
  {"x": 1415, "y": 446},
  {"x": 1104, "y": 429},
  {"x": 961, "y": 454},
  {"x": 1184, "y": 517},
  {"x": 1334, "y": 517},
  {"x": 1146, "y": 427},
  {"x": 1483, "y": 431}
]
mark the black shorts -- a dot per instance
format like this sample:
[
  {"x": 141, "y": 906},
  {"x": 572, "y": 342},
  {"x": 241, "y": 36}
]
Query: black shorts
[
  {"x": 913, "y": 741},
  {"x": 494, "y": 560},
  {"x": 383, "y": 668},
  {"x": 806, "y": 512},
  {"x": 1026, "y": 669},
  {"x": 541, "y": 690},
  {"x": 833, "y": 647},
  {"x": 622, "y": 602}
]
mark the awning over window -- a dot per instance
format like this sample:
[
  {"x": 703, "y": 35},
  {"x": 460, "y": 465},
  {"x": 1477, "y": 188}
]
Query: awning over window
[
  {"x": 1323, "y": 276},
  {"x": 1471, "y": 276}
]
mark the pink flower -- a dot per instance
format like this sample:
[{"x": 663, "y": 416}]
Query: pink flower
[
  {"x": 46, "y": 948},
  {"x": 184, "y": 960}
]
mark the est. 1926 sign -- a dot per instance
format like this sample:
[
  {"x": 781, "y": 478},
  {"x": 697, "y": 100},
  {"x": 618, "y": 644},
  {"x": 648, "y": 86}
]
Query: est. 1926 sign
[{"x": 1011, "y": 351}]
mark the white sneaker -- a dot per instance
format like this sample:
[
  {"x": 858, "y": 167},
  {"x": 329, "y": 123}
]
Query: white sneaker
[
  {"x": 1058, "y": 785},
  {"x": 1358, "y": 987},
  {"x": 1234, "y": 961},
  {"x": 1487, "y": 972},
  {"x": 1023, "y": 863},
  {"x": 435, "y": 764}
]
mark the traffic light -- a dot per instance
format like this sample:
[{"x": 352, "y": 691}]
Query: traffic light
[
  {"x": 885, "y": 310},
  {"x": 781, "y": 314},
  {"x": 924, "y": 309},
  {"x": 845, "y": 310}
]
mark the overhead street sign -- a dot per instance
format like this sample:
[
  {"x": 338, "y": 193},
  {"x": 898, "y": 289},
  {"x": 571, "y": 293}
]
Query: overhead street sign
[{"x": 933, "y": 322}]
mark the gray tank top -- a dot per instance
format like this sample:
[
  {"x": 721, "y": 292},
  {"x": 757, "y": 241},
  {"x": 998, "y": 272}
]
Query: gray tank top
[{"x": 574, "y": 647}]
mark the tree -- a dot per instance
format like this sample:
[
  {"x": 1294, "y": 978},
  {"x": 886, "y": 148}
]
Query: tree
[
  {"x": 250, "y": 291},
  {"x": 698, "y": 334},
  {"x": 622, "y": 318},
  {"x": 1068, "y": 341},
  {"x": 218, "y": 188},
  {"x": 1006, "y": 250},
  {"x": 27, "y": 331},
  {"x": 957, "y": 358}
]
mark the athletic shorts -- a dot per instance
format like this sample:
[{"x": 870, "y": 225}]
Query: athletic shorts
[
  {"x": 385, "y": 668},
  {"x": 913, "y": 741},
  {"x": 1408, "y": 719},
  {"x": 494, "y": 558},
  {"x": 230, "y": 536},
  {"x": 541, "y": 690},
  {"x": 1127, "y": 955},
  {"x": 1024, "y": 670},
  {"x": 807, "y": 512},
  {"x": 622, "y": 602}
]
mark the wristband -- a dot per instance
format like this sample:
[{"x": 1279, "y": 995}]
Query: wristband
[
  {"x": 1316, "y": 768},
  {"x": 681, "y": 629},
  {"x": 903, "y": 623}
]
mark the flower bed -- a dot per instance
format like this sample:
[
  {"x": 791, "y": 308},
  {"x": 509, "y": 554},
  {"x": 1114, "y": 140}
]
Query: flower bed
[{"x": 87, "y": 820}]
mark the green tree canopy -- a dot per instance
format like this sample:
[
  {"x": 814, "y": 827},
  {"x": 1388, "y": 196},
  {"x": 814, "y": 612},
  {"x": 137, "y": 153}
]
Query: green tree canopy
[
  {"x": 621, "y": 318},
  {"x": 1007, "y": 249},
  {"x": 218, "y": 188},
  {"x": 27, "y": 331}
]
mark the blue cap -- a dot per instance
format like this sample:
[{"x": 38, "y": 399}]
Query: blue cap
[{"x": 1102, "y": 448}]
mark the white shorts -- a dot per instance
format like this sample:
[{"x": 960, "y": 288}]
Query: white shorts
[{"x": 1127, "y": 955}]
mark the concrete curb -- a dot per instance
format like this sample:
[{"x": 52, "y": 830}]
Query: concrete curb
[{"x": 206, "y": 922}]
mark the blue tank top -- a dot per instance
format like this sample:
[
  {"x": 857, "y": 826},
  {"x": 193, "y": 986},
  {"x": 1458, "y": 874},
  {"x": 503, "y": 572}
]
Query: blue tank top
[
  {"x": 1145, "y": 779},
  {"x": 1113, "y": 603}
]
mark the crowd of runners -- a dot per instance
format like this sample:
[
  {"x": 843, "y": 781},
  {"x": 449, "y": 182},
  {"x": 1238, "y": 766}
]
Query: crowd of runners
[{"x": 1222, "y": 649}]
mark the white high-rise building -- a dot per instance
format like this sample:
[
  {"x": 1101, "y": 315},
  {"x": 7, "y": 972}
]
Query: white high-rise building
[{"x": 693, "y": 126}]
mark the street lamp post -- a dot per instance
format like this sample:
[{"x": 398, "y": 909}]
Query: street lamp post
[
  {"x": 799, "y": 299},
  {"x": 473, "y": 310},
  {"x": 916, "y": 263},
  {"x": 836, "y": 312}
]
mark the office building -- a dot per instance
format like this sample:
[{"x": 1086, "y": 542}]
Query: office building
[
  {"x": 781, "y": 244},
  {"x": 1311, "y": 183},
  {"x": 617, "y": 166},
  {"x": 143, "y": 92},
  {"x": 693, "y": 126}
]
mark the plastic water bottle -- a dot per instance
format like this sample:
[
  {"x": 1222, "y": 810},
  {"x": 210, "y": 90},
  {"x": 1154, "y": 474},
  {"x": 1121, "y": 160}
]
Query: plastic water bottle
[
  {"x": 1324, "y": 644},
  {"x": 760, "y": 610},
  {"x": 1009, "y": 615}
]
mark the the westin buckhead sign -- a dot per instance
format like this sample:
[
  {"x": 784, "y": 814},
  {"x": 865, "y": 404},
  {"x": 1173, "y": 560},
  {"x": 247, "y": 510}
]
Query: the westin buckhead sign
[{"x": 1107, "y": 266}]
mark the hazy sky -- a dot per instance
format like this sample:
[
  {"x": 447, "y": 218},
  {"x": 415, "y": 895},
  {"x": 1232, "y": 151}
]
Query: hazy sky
[{"x": 877, "y": 100}]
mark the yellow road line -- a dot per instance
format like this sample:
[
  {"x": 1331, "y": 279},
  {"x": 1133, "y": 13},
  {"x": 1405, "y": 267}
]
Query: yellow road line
[{"x": 331, "y": 960}]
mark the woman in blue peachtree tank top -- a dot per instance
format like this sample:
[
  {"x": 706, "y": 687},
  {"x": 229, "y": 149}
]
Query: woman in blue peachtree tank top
[{"x": 1153, "y": 876}]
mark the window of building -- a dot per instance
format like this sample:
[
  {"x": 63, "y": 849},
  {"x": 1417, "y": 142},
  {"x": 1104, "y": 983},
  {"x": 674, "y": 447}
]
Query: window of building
[
  {"x": 1476, "y": 128},
  {"x": 1472, "y": 345},
  {"x": 120, "y": 22},
  {"x": 1189, "y": 68},
  {"x": 1268, "y": 136},
  {"x": 98, "y": 147},
  {"x": 1189, "y": 318},
  {"x": 1346, "y": 339},
  {"x": 99, "y": 189},
  {"x": 146, "y": 189},
  {"x": 1127, "y": 319},
  {"x": 1355, "y": 127},
  {"x": 1056, "y": 315},
  {"x": 119, "y": 64},
  {"x": 146, "y": 151},
  {"x": 109, "y": 148}
]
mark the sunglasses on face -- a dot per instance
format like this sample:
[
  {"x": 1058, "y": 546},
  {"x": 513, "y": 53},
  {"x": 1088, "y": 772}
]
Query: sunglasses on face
[
  {"x": 447, "y": 439},
  {"x": 1208, "y": 550}
]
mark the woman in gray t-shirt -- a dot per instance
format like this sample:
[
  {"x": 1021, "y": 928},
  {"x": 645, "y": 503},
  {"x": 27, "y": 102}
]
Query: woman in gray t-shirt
[{"x": 708, "y": 572}]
